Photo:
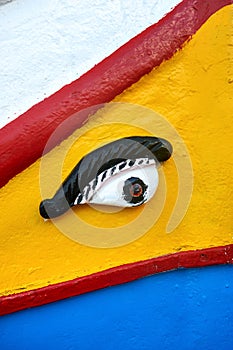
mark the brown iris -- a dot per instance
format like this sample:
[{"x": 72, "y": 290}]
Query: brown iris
[{"x": 136, "y": 190}]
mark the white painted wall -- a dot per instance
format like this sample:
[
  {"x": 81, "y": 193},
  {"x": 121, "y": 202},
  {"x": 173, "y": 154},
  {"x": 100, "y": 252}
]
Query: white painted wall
[{"x": 46, "y": 44}]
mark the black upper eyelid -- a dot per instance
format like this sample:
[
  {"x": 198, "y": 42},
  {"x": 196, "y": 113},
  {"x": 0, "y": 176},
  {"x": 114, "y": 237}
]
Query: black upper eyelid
[
  {"x": 111, "y": 154},
  {"x": 162, "y": 149}
]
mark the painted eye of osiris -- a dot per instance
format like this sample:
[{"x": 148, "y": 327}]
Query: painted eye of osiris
[{"x": 121, "y": 173}]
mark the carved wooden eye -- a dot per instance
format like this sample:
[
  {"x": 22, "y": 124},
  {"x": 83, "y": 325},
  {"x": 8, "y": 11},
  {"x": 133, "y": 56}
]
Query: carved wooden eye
[{"x": 122, "y": 173}]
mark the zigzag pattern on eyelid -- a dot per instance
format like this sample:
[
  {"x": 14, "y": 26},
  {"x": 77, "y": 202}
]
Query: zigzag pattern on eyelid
[{"x": 95, "y": 184}]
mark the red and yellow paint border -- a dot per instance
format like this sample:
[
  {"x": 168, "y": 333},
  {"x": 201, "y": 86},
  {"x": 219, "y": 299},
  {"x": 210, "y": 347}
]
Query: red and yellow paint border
[
  {"x": 114, "y": 276},
  {"x": 23, "y": 141}
]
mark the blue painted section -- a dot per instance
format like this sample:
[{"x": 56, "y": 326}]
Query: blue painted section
[{"x": 185, "y": 309}]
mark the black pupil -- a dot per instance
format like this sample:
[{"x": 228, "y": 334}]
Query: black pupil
[
  {"x": 134, "y": 190},
  {"x": 137, "y": 189}
]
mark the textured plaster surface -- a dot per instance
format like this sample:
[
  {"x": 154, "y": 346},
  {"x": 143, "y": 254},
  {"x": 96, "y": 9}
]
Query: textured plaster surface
[
  {"x": 47, "y": 44},
  {"x": 193, "y": 91}
]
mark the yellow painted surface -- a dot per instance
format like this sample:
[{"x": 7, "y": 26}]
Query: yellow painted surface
[{"x": 193, "y": 91}]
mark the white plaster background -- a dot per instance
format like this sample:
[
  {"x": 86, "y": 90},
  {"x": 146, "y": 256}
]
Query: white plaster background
[{"x": 46, "y": 44}]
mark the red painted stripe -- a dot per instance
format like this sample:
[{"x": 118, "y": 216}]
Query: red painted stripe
[
  {"x": 114, "y": 276},
  {"x": 23, "y": 140}
]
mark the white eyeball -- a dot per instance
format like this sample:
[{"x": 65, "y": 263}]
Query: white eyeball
[{"x": 128, "y": 184}]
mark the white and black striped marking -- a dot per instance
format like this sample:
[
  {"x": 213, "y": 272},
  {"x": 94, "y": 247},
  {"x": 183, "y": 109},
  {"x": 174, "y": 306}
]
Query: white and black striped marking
[{"x": 96, "y": 183}]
